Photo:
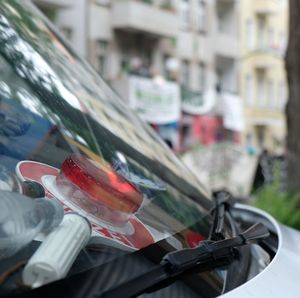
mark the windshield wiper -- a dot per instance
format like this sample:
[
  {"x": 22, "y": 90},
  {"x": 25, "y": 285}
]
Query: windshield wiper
[
  {"x": 207, "y": 256},
  {"x": 223, "y": 202}
]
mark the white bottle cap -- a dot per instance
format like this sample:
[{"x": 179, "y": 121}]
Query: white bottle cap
[{"x": 56, "y": 254}]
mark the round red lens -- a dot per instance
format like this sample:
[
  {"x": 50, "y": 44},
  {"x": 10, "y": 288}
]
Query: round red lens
[{"x": 102, "y": 184}]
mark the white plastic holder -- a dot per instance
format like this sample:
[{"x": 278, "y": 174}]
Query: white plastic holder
[{"x": 55, "y": 256}]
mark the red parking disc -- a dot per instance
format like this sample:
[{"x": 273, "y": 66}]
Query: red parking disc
[{"x": 134, "y": 235}]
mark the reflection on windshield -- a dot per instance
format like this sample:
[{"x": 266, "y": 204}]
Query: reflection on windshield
[
  {"x": 30, "y": 65},
  {"x": 62, "y": 127},
  {"x": 51, "y": 121}
]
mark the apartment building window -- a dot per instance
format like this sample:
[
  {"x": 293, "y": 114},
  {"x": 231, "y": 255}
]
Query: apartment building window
[
  {"x": 201, "y": 15},
  {"x": 184, "y": 14},
  {"x": 226, "y": 17},
  {"x": 185, "y": 73},
  {"x": 125, "y": 62},
  {"x": 261, "y": 135},
  {"x": 282, "y": 42},
  {"x": 249, "y": 34},
  {"x": 201, "y": 76},
  {"x": 101, "y": 56},
  {"x": 249, "y": 89},
  {"x": 261, "y": 32},
  {"x": 282, "y": 95},
  {"x": 260, "y": 90},
  {"x": 166, "y": 70},
  {"x": 271, "y": 97},
  {"x": 271, "y": 38}
]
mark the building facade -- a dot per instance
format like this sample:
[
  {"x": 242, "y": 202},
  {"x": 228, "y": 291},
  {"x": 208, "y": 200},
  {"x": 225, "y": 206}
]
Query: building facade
[
  {"x": 209, "y": 50},
  {"x": 263, "y": 40}
]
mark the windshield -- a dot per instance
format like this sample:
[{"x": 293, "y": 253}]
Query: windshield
[{"x": 63, "y": 127}]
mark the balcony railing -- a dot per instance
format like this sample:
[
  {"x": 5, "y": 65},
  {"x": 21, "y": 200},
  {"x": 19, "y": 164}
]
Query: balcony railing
[
  {"x": 275, "y": 50},
  {"x": 133, "y": 15},
  {"x": 156, "y": 101}
]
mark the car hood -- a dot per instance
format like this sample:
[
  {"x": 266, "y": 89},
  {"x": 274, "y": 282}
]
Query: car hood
[{"x": 281, "y": 276}]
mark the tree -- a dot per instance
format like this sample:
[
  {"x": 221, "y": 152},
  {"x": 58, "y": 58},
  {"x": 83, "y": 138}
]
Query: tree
[{"x": 292, "y": 62}]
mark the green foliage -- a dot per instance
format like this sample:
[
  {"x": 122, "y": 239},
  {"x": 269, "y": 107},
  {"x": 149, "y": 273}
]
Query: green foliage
[{"x": 284, "y": 206}]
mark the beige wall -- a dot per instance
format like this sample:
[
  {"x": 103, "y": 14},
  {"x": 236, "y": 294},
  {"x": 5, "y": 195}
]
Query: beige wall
[{"x": 262, "y": 75}]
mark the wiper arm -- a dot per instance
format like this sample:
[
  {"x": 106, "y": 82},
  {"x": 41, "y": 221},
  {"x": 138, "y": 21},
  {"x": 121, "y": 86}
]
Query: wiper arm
[
  {"x": 207, "y": 256},
  {"x": 223, "y": 202}
]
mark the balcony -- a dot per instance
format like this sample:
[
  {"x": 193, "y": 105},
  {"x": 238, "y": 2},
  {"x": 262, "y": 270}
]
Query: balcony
[
  {"x": 133, "y": 15},
  {"x": 272, "y": 50},
  {"x": 262, "y": 65},
  {"x": 54, "y": 3},
  {"x": 265, "y": 7},
  {"x": 263, "y": 61},
  {"x": 227, "y": 45},
  {"x": 156, "y": 101}
]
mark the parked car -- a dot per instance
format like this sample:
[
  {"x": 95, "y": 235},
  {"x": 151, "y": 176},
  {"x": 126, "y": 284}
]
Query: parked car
[{"x": 155, "y": 229}]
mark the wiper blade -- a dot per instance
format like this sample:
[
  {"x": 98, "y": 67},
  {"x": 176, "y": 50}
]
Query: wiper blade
[
  {"x": 207, "y": 256},
  {"x": 223, "y": 202}
]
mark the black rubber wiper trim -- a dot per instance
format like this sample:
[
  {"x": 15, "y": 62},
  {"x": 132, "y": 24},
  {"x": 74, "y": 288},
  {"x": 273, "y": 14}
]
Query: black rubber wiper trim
[
  {"x": 223, "y": 202},
  {"x": 207, "y": 256}
]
